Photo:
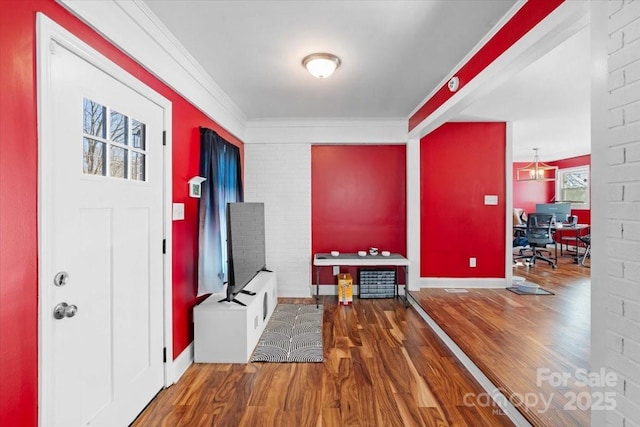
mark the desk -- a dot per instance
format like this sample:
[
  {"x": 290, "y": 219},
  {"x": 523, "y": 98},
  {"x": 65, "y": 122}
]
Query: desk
[
  {"x": 353, "y": 260},
  {"x": 577, "y": 229}
]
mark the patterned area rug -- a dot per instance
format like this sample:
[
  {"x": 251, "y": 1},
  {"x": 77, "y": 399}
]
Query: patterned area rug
[{"x": 293, "y": 334}]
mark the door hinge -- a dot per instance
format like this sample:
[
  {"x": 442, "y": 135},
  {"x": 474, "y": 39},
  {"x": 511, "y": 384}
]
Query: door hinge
[
  {"x": 164, "y": 246},
  {"x": 164, "y": 137},
  {"x": 164, "y": 355}
]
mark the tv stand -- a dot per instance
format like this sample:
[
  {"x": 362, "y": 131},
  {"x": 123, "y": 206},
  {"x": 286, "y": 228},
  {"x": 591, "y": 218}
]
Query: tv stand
[{"x": 225, "y": 332}]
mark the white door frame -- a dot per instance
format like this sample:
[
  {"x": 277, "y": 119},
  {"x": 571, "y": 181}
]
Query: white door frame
[{"x": 49, "y": 32}]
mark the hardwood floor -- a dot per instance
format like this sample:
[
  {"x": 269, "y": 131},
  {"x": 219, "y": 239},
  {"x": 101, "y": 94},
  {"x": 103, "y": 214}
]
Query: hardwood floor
[
  {"x": 522, "y": 342},
  {"x": 383, "y": 367}
]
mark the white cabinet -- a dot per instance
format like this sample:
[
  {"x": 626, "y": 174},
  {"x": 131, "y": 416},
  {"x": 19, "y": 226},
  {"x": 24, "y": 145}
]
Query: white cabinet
[{"x": 226, "y": 332}]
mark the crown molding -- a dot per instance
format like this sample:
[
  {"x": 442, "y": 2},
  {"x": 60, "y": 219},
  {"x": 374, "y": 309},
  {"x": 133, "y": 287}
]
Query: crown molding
[{"x": 134, "y": 29}]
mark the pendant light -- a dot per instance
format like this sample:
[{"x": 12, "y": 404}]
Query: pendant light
[{"x": 536, "y": 170}]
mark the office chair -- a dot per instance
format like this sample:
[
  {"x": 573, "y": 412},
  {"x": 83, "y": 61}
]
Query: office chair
[
  {"x": 539, "y": 236},
  {"x": 587, "y": 247},
  {"x": 519, "y": 218}
]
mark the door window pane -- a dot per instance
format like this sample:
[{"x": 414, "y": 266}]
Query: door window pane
[
  {"x": 118, "y": 163},
  {"x": 122, "y": 147},
  {"x": 119, "y": 128},
  {"x": 94, "y": 157},
  {"x": 137, "y": 134},
  {"x": 94, "y": 122},
  {"x": 137, "y": 166}
]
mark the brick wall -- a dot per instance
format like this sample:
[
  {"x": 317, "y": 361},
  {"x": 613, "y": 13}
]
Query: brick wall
[
  {"x": 622, "y": 212},
  {"x": 280, "y": 176}
]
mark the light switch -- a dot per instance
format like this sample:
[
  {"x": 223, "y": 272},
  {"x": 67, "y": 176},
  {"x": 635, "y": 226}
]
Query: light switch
[
  {"x": 178, "y": 211},
  {"x": 490, "y": 199}
]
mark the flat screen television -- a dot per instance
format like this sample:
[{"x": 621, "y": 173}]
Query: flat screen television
[
  {"x": 561, "y": 211},
  {"x": 245, "y": 247}
]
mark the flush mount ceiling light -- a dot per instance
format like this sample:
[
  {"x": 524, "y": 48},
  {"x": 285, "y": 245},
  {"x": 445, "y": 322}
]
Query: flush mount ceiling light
[
  {"x": 536, "y": 170},
  {"x": 321, "y": 65}
]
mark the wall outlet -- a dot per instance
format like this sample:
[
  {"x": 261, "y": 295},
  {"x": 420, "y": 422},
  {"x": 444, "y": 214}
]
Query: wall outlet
[
  {"x": 336, "y": 270},
  {"x": 472, "y": 262}
]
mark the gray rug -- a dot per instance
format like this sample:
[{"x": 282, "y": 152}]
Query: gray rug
[
  {"x": 537, "y": 291},
  {"x": 293, "y": 334}
]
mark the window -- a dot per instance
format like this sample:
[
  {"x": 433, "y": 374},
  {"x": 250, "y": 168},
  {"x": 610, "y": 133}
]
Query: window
[
  {"x": 573, "y": 187},
  {"x": 113, "y": 144}
]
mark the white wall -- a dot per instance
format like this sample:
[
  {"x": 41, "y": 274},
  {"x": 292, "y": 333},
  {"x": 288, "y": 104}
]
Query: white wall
[
  {"x": 280, "y": 176},
  {"x": 616, "y": 234}
]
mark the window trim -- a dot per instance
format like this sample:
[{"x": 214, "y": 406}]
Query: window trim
[{"x": 561, "y": 172}]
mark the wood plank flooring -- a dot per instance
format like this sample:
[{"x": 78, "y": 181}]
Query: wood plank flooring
[
  {"x": 383, "y": 367},
  {"x": 510, "y": 337}
]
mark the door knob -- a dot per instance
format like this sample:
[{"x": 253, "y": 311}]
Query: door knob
[{"x": 63, "y": 310}]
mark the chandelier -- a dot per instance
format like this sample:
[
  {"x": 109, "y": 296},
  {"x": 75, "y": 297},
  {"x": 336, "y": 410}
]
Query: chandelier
[{"x": 536, "y": 170}]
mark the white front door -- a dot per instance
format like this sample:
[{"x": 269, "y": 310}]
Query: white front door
[{"x": 102, "y": 240}]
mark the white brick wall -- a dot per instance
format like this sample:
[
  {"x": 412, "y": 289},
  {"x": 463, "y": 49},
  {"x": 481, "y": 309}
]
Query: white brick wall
[
  {"x": 280, "y": 176},
  {"x": 622, "y": 211}
]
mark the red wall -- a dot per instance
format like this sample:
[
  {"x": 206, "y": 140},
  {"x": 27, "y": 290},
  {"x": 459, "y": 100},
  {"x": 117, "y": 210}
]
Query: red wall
[
  {"x": 527, "y": 194},
  {"x": 18, "y": 200},
  {"x": 460, "y": 163},
  {"x": 358, "y": 200}
]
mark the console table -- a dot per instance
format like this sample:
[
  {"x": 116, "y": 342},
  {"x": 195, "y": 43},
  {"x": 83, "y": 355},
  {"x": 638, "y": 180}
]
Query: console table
[{"x": 354, "y": 260}]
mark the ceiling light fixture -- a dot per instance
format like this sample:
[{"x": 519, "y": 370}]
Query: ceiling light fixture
[
  {"x": 536, "y": 170},
  {"x": 321, "y": 65}
]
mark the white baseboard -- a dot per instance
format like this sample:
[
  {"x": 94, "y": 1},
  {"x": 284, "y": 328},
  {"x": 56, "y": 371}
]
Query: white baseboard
[
  {"x": 425, "y": 282},
  {"x": 333, "y": 290},
  {"x": 325, "y": 289},
  {"x": 294, "y": 292},
  {"x": 330, "y": 289},
  {"x": 466, "y": 282},
  {"x": 182, "y": 363}
]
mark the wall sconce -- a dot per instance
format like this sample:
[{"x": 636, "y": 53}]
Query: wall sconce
[{"x": 195, "y": 186}]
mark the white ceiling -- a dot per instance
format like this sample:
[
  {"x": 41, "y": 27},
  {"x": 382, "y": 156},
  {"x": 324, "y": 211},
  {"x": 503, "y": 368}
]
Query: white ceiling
[{"x": 394, "y": 54}]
